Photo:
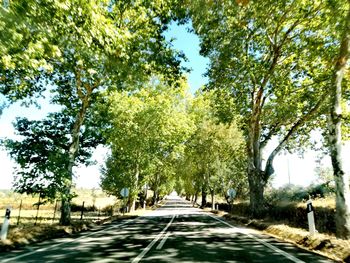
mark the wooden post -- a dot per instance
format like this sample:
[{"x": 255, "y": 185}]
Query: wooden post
[
  {"x": 19, "y": 213},
  {"x": 54, "y": 212},
  {"x": 82, "y": 211},
  {"x": 37, "y": 210}
]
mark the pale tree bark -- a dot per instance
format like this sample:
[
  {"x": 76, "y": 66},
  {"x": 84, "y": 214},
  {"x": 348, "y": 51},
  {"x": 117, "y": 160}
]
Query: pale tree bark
[
  {"x": 212, "y": 193},
  {"x": 155, "y": 189},
  {"x": 257, "y": 175},
  {"x": 136, "y": 184},
  {"x": 340, "y": 176},
  {"x": 255, "y": 179},
  {"x": 73, "y": 151}
]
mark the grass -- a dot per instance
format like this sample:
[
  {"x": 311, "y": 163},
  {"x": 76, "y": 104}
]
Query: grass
[
  {"x": 47, "y": 215},
  {"x": 327, "y": 202},
  {"x": 27, "y": 233},
  {"x": 323, "y": 243}
]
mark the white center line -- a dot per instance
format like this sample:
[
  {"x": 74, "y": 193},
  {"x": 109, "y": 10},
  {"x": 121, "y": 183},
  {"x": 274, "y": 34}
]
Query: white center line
[
  {"x": 146, "y": 249},
  {"x": 162, "y": 242}
]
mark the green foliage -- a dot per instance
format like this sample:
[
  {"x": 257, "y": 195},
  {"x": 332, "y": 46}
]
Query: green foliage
[
  {"x": 146, "y": 130},
  {"x": 214, "y": 157},
  {"x": 79, "y": 48},
  {"x": 84, "y": 41},
  {"x": 280, "y": 49},
  {"x": 275, "y": 60},
  {"x": 41, "y": 153}
]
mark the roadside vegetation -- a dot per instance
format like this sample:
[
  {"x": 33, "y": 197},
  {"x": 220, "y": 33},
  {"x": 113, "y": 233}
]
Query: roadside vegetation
[
  {"x": 278, "y": 71},
  {"x": 25, "y": 210}
]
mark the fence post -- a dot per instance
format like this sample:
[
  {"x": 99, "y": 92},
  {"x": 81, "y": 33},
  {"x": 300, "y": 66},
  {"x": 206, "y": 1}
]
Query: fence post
[
  {"x": 37, "y": 210},
  {"x": 19, "y": 213},
  {"x": 54, "y": 212},
  {"x": 82, "y": 211},
  {"x": 98, "y": 215}
]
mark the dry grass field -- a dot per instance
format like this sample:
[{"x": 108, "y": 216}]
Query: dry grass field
[
  {"x": 26, "y": 232},
  {"x": 95, "y": 201}
]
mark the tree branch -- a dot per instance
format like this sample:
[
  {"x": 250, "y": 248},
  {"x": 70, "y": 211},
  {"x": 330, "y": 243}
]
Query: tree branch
[{"x": 269, "y": 164}]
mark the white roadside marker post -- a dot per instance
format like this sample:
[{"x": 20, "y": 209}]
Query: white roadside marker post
[
  {"x": 310, "y": 217},
  {"x": 5, "y": 225}
]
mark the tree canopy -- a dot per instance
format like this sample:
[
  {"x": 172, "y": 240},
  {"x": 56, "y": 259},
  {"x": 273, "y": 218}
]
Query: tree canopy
[
  {"x": 146, "y": 130},
  {"x": 278, "y": 70}
]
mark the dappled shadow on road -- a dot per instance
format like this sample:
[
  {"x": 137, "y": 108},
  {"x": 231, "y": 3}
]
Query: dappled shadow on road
[
  {"x": 199, "y": 238},
  {"x": 111, "y": 245}
]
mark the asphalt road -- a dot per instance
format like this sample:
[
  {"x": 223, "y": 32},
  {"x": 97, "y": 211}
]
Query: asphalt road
[{"x": 176, "y": 232}]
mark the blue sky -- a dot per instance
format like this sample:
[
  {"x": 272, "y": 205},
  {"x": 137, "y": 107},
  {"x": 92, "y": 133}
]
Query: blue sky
[
  {"x": 300, "y": 169},
  {"x": 189, "y": 44}
]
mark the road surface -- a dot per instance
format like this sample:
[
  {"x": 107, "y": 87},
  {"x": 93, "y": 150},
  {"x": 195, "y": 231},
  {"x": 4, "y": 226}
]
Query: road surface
[{"x": 176, "y": 232}]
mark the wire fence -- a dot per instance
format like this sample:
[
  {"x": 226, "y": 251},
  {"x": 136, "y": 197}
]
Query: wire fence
[{"x": 40, "y": 214}]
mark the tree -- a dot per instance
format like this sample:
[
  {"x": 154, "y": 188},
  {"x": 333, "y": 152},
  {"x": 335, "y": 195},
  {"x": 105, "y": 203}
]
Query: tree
[
  {"x": 145, "y": 131},
  {"x": 41, "y": 154},
  {"x": 214, "y": 158},
  {"x": 335, "y": 132},
  {"x": 273, "y": 57},
  {"x": 98, "y": 45}
]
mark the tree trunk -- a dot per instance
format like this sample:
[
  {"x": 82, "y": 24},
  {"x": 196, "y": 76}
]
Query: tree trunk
[
  {"x": 65, "y": 218},
  {"x": 195, "y": 198},
  {"x": 145, "y": 201},
  {"x": 136, "y": 183},
  {"x": 255, "y": 179},
  {"x": 155, "y": 196},
  {"x": 73, "y": 151},
  {"x": 212, "y": 193},
  {"x": 204, "y": 196},
  {"x": 132, "y": 205},
  {"x": 256, "y": 186},
  {"x": 342, "y": 217}
]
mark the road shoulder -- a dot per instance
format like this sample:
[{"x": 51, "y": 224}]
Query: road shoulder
[{"x": 325, "y": 245}]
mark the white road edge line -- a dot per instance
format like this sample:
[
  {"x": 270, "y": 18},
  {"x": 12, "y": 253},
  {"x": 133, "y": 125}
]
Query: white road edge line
[
  {"x": 162, "y": 242},
  {"x": 150, "y": 245},
  {"x": 266, "y": 244},
  {"x": 59, "y": 244}
]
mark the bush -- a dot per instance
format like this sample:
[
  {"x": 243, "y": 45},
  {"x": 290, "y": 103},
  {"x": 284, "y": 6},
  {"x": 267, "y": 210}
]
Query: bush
[
  {"x": 77, "y": 208},
  {"x": 292, "y": 193},
  {"x": 320, "y": 190},
  {"x": 291, "y": 214},
  {"x": 108, "y": 210}
]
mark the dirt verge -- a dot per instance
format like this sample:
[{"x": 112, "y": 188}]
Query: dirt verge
[{"x": 323, "y": 244}]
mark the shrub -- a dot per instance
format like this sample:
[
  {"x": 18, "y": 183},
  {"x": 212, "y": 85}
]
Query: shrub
[
  {"x": 108, "y": 210},
  {"x": 77, "y": 208},
  {"x": 321, "y": 190},
  {"x": 292, "y": 193}
]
